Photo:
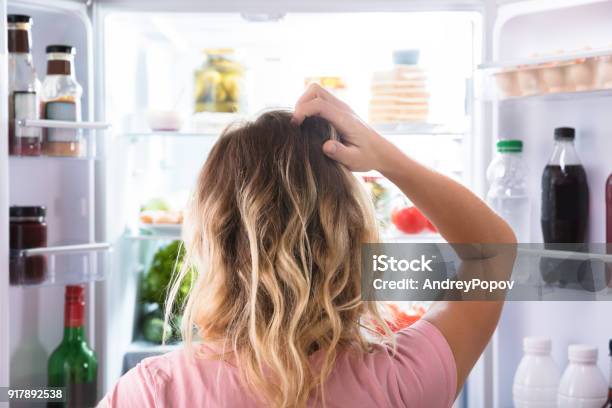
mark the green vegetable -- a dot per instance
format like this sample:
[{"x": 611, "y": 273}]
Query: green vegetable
[
  {"x": 153, "y": 328},
  {"x": 155, "y": 283},
  {"x": 155, "y": 204}
]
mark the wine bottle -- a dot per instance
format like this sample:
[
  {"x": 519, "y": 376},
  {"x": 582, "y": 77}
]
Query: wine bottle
[
  {"x": 73, "y": 365},
  {"x": 608, "y": 403}
]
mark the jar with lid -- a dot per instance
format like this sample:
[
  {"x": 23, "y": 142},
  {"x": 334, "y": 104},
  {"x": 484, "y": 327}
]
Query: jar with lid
[
  {"x": 62, "y": 101},
  {"x": 28, "y": 229},
  {"x": 219, "y": 82},
  {"x": 23, "y": 87}
]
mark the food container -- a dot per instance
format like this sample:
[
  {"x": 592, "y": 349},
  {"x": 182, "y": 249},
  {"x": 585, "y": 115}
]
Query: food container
[
  {"x": 580, "y": 75},
  {"x": 553, "y": 77},
  {"x": 219, "y": 83},
  {"x": 603, "y": 75},
  {"x": 28, "y": 229},
  {"x": 507, "y": 84},
  {"x": 529, "y": 81},
  {"x": 164, "y": 120}
]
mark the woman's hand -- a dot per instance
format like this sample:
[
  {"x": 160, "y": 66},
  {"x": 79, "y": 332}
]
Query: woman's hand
[{"x": 361, "y": 146}]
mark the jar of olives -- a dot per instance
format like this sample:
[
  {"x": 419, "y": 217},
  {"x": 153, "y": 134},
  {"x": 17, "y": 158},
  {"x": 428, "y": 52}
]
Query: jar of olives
[{"x": 219, "y": 82}]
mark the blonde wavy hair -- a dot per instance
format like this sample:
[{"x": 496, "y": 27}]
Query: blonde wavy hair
[{"x": 274, "y": 232}]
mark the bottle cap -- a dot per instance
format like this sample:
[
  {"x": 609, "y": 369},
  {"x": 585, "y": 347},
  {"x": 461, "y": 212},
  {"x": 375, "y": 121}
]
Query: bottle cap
[
  {"x": 538, "y": 345},
  {"x": 565, "y": 133},
  {"x": 582, "y": 353},
  {"x": 27, "y": 211},
  {"x": 509, "y": 146},
  {"x": 75, "y": 293},
  {"x": 18, "y": 18},
  {"x": 406, "y": 57},
  {"x": 62, "y": 49}
]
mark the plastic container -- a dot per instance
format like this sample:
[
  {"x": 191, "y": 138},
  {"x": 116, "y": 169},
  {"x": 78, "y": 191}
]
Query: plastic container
[
  {"x": 537, "y": 377},
  {"x": 582, "y": 384},
  {"x": 507, "y": 193}
]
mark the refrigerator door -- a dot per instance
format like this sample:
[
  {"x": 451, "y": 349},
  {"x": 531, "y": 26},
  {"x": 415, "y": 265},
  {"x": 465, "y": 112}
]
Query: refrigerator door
[
  {"x": 545, "y": 29},
  {"x": 32, "y": 316},
  {"x": 4, "y": 204}
]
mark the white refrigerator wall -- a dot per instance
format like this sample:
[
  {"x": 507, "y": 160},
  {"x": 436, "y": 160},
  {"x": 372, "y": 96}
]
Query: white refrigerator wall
[{"x": 533, "y": 121}]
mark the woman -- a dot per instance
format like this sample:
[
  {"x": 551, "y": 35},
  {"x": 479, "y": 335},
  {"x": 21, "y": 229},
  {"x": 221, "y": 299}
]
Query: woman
[{"x": 275, "y": 228}]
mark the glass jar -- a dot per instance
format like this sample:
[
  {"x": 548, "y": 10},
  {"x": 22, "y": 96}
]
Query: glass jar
[
  {"x": 28, "y": 229},
  {"x": 219, "y": 83},
  {"x": 62, "y": 101},
  {"x": 23, "y": 87}
]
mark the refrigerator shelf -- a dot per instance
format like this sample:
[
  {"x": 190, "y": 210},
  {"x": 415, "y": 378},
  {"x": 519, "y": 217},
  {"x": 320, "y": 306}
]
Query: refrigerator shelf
[
  {"x": 86, "y": 147},
  {"x": 58, "y": 265},
  {"x": 562, "y": 96},
  {"x": 546, "y": 59},
  {"x": 137, "y": 137},
  {"x": 418, "y": 129}
]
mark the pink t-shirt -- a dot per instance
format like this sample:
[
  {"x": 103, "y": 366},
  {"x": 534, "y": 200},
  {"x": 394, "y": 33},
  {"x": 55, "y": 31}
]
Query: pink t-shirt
[{"x": 421, "y": 373}]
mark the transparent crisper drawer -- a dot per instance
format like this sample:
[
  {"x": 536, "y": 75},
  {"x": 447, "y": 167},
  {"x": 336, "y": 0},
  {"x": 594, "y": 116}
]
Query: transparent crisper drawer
[{"x": 58, "y": 265}]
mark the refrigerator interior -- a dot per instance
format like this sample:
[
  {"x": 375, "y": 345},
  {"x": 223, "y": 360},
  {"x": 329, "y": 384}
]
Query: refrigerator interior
[
  {"x": 149, "y": 64},
  {"x": 519, "y": 34},
  {"x": 67, "y": 188}
]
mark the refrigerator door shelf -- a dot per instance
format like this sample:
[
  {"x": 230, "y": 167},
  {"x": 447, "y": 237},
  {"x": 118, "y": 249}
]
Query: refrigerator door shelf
[
  {"x": 63, "y": 124},
  {"x": 58, "y": 265},
  {"x": 79, "y": 137}
]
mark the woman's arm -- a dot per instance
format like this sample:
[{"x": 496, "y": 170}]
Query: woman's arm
[{"x": 457, "y": 213}]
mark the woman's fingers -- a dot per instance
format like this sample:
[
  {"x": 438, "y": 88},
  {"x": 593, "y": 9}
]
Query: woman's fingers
[
  {"x": 320, "y": 107},
  {"x": 315, "y": 90},
  {"x": 347, "y": 155}
]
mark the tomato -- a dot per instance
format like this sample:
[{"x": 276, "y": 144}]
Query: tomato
[
  {"x": 430, "y": 226},
  {"x": 409, "y": 220}
]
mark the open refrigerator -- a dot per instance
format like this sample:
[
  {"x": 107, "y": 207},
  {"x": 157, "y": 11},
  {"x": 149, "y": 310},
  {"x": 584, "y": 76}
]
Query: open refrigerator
[{"x": 138, "y": 59}]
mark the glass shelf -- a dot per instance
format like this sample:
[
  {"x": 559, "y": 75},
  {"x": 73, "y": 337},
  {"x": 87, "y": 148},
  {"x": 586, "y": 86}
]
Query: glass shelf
[
  {"x": 416, "y": 129},
  {"x": 58, "y": 265},
  {"x": 136, "y": 137}
]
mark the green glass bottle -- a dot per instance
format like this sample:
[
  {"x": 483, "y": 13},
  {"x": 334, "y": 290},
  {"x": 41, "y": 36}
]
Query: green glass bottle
[{"x": 73, "y": 364}]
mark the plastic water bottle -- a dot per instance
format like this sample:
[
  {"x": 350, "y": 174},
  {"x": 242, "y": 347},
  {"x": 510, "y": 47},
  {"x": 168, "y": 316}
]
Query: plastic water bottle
[
  {"x": 582, "y": 384},
  {"x": 536, "y": 380},
  {"x": 508, "y": 190}
]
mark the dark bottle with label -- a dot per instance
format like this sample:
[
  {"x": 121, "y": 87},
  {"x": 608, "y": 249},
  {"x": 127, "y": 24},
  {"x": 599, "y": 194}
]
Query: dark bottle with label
[
  {"x": 565, "y": 209},
  {"x": 73, "y": 364},
  {"x": 23, "y": 87}
]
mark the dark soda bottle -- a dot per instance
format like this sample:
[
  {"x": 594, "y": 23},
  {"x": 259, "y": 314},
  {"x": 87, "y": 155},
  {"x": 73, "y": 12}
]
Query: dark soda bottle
[
  {"x": 73, "y": 364},
  {"x": 565, "y": 209}
]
